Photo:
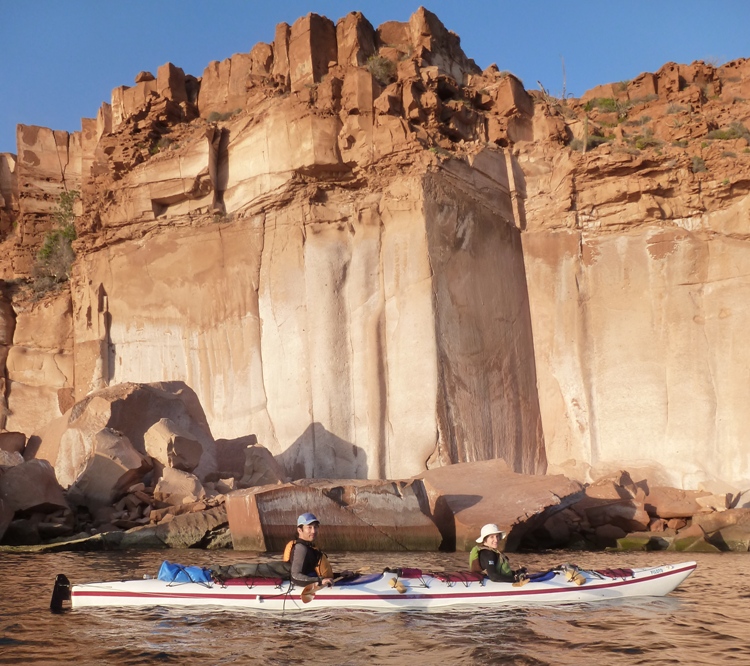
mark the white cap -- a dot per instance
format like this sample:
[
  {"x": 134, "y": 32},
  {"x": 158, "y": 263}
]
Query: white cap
[{"x": 489, "y": 529}]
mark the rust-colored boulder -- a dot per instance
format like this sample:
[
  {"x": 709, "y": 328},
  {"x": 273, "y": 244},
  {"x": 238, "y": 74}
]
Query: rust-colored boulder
[
  {"x": 178, "y": 487},
  {"x": 189, "y": 530},
  {"x": 261, "y": 468},
  {"x": 130, "y": 409},
  {"x": 172, "y": 446},
  {"x": 230, "y": 455},
  {"x": 12, "y": 441},
  {"x": 666, "y": 502},
  {"x": 712, "y": 522},
  {"x": 354, "y": 515},
  {"x": 32, "y": 486},
  {"x": 112, "y": 468},
  {"x": 627, "y": 514},
  {"x": 465, "y": 496}
]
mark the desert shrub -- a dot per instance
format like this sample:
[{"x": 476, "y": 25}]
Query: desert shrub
[
  {"x": 698, "y": 165},
  {"x": 382, "y": 69},
  {"x": 643, "y": 120},
  {"x": 215, "y": 116},
  {"x": 729, "y": 153},
  {"x": 675, "y": 108},
  {"x": 736, "y": 130},
  {"x": 55, "y": 257},
  {"x": 606, "y": 104},
  {"x": 680, "y": 143},
  {"x": 591, "y": 142},
  {"x": 643, "y": 141}
]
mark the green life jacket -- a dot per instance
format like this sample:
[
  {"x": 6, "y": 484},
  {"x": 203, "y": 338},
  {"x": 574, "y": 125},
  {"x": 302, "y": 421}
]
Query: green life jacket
[{"x": 502, "y": 566}]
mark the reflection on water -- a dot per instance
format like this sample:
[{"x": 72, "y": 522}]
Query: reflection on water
[{"x": 702, "y": 622}]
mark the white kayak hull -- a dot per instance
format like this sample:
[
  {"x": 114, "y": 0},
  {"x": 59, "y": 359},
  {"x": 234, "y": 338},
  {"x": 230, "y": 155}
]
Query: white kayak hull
[{"x": 423, "y": 592}]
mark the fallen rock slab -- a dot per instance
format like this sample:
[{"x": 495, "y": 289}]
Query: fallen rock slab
[
  {"x": 191, "y": 530},
  {"x": 172, "y": 446},
  {"x": 355, "y": 515},
  {"x": 178, "y": 487},
  {"x": 667, "y": 502},
  {"x": 131, "y": 409},
  {"x": 13, "y": 442},
  {"x": 261, "y": 468},
  {"x": 463, "y": 497},
  {"x": 628, "y": 514},
  {"x": 32, "y": 486},
  {"x": 114, "y": 466}
]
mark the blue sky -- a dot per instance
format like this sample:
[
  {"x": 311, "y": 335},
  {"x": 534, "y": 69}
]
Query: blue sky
[{"x": 62, "y": 58}]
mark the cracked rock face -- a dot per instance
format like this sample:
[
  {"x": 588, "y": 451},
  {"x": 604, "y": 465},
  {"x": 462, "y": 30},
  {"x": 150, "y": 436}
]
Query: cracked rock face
[{"x": 356, "y": 245}]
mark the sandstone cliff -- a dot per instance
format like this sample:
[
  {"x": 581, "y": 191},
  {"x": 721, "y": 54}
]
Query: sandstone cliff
[{"x": 378, "y": 258}]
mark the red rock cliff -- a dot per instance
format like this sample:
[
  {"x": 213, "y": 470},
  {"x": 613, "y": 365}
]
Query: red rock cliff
[{"x": 343, "y": 241}]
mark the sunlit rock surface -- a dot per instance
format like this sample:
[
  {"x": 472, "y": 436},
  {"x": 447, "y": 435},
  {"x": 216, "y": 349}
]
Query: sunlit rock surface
[
  {"x": 354, "y": 515},
  {"x": 353, "y": 243}
]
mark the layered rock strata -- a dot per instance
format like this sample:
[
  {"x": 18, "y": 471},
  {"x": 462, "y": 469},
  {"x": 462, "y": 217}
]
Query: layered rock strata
[{"x": 356, "y": 244}]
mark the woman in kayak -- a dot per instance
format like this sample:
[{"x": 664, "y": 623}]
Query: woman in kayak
[
  {"x": 487, "y": 559},
  {"x": 309, "y": 564}
]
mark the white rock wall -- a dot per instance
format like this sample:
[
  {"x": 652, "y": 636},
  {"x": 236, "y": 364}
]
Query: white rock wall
[{"x": 639, "y": 341}]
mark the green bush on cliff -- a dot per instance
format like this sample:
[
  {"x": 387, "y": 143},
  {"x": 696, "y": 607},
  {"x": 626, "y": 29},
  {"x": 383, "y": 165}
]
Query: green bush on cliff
[
  {"x": 736, "y": 130},
  {"x": 382, "y": 69},
  {"x": 55, "y": 256}
]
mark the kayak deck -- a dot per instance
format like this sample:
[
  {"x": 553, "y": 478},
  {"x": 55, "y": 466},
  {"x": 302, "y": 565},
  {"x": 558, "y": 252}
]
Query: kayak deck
[{"x": 392, "y": 590}]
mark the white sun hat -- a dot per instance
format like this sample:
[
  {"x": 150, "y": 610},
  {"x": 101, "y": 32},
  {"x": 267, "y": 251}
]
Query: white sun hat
[{"x": 489, "y": 529}]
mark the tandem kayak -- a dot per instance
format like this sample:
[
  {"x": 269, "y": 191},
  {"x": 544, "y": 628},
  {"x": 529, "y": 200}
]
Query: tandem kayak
[{"x": 399, "y": 589}]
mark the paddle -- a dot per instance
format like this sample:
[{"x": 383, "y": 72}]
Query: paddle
[
  {"x": 397, "y": 585},
  {"x": 308, "y": 592}
]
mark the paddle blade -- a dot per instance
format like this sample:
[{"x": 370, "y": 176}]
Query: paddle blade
[
  {"x": 397, "y": 585},
  {"x": 308, "y": 593},
  {"x": 521, "y": 582}
]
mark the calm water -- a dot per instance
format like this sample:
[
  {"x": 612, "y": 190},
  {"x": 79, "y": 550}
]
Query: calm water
[{"x": 706, "y": 621}]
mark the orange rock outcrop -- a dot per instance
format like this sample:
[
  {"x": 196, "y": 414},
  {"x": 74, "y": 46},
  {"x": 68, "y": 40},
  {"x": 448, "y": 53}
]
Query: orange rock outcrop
[{"x": 378, "y": 258}]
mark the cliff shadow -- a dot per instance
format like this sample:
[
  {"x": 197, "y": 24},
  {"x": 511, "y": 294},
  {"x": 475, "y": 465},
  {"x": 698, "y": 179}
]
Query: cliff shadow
[
  {"x": 443, "y": 514},
  {"x": 318, "y": 453}
]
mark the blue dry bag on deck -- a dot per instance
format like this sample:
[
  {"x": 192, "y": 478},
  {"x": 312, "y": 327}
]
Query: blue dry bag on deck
[{"x": 177, "y": 573}]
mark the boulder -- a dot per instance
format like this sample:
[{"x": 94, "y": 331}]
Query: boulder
[
  {"x": 130, "y": 409},
  {"x": 627, "y": 514},
  {"x": 712, "y": 522},
  {"x": 191, "y": 530},
  {"x": 13, "y": 442},
  {"x": 172, "y": 446},
  {"x": 10, "y": 458},
  {"x": 32, "y": 487},
  {"x": 666, "y": 502},
  {"x": 230, "y": 455},
  {"x": 465, "y": 496},
  {"x": 6, "y": 517},
  {"x": 692, "y": 544},
  {"x": 734, "y": 538},
  {"x": 261, "y": 468},
  {"x": 114, "y": 466},
  {"x": 178, "y": 487},
  {"x": 607, "y": 536},
  {"x": 355, "y": 515}
]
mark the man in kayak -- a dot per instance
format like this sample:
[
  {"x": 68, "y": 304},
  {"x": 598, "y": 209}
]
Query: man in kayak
[
  {"x": 488, "y": 560},
  {"x": 309, "y": 564}
]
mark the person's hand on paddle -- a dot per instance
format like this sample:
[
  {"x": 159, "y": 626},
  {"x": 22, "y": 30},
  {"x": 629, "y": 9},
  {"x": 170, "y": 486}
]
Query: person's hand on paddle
[{"x": 326, "y": 582}]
